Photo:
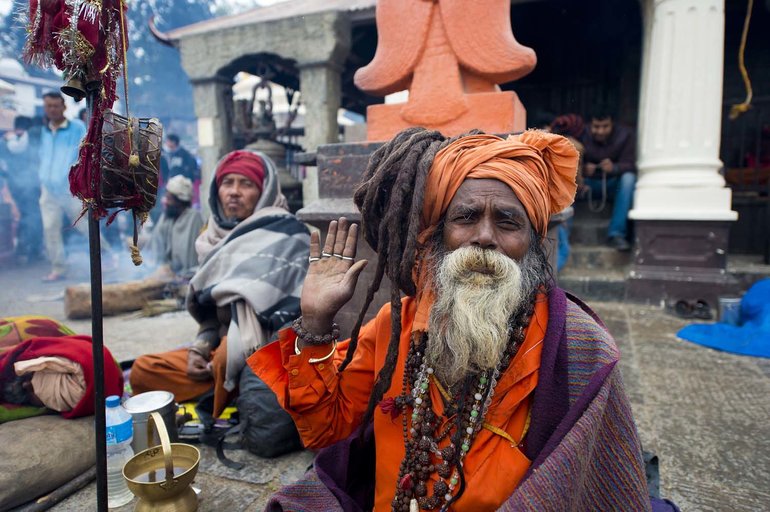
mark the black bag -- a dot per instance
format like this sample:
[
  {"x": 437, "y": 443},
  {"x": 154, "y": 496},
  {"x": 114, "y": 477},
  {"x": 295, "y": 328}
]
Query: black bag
[{"x": 266, "y": 429}]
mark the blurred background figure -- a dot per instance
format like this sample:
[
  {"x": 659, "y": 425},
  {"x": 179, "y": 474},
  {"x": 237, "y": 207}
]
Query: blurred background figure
[
  {"x": 760, "y": 160},
  {"x": 572, "y": 127},
  {"x": 59, "y": 142},
  {"x": 179, "y": 161},
  {"x": 19, "y": 152},
  {"x": 171, "y": 246}
]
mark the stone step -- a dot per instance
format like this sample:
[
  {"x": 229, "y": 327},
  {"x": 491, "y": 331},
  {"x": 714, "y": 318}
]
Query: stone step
[
  {"x": 594, "y": 284},
  {"x": 583, "y": 211},
  {"x": 597, "y": 257},
  {"x": 590, "y": 231},
  {"x": 747, "y": 268}
]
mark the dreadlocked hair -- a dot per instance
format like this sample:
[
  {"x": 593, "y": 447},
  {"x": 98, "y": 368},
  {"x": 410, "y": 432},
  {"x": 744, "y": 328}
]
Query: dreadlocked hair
[{"x": 390, "y": 198}]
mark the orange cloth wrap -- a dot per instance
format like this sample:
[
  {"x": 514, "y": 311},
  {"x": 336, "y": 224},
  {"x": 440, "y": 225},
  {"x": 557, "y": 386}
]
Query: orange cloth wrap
[{"x": 539, "y": 167}]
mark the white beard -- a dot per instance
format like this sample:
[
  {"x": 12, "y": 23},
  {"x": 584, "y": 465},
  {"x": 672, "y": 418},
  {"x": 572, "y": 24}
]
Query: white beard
[{"x": 477, "y": 292}]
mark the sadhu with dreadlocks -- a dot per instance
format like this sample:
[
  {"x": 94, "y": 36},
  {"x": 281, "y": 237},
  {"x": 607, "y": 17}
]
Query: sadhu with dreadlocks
[{"x": 487, "y": 386}]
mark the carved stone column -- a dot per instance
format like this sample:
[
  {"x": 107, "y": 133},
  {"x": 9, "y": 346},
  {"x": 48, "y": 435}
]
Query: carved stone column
[
  {"x": 320, "y": 86},
  {"x": 681, "y": 206},
  {"x": 213, "y": 99}
]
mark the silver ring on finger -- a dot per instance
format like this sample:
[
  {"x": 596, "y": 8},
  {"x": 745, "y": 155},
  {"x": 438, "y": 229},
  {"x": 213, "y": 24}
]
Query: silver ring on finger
[
  {"x": 347, "y": 258},
  {"x": 340, "y": 256},
  {"x": 326, "y": 255},
  {"x": 313, "y": 258}
]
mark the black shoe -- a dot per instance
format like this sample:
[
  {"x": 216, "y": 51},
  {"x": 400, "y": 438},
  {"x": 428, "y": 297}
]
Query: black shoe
[{"x": 619, "y": 243}]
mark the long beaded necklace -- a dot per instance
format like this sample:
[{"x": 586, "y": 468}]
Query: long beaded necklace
[{"x": 422, "y": 438}]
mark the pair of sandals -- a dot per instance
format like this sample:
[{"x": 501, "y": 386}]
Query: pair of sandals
[{"x": 693, "y": 309}]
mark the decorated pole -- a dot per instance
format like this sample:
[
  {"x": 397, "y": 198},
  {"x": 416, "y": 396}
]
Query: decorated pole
[
  {"x": 97, "y": 339},
  {"x": 119, "y": 159}
]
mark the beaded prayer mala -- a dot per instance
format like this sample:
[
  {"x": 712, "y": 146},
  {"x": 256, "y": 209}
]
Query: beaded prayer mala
[{"x": 425, "y": 431}]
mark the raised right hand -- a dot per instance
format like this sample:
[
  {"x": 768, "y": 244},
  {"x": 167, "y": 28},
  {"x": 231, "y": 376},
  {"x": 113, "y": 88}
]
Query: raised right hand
[{"x": 331, "y": 277}]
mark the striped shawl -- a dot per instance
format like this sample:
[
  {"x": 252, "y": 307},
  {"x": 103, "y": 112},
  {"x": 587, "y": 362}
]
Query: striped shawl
[
  {"x": 582, "y": 440},
  {"x": 256, "y": 270}
]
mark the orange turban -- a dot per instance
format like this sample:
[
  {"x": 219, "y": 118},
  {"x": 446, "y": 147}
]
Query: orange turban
[{"x": 539, "y": 167}]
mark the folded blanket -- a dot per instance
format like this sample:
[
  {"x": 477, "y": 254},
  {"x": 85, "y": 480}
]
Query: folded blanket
[{"x": 15, "y": 329}]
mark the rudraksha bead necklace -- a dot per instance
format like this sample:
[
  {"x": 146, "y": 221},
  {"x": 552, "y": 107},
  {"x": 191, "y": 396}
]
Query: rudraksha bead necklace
[{"x": 425, "y": 431}]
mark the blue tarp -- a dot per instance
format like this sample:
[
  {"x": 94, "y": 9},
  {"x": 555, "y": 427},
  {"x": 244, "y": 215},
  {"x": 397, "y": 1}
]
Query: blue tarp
[{"x": 750, "y": 338}]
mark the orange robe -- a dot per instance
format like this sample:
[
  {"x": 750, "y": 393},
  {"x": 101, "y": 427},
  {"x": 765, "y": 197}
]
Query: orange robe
[
  {"x": 168, "y": 372},
  {"x": 328, "y": 405}
]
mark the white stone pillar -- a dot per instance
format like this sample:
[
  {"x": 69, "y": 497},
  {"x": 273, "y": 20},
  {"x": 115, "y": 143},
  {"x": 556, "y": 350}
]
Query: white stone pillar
[
  {"x": 680, "y": 113},
  {"x": 213, "y": 99}
]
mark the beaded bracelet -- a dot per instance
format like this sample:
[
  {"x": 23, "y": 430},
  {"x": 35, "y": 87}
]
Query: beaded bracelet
[{"x": 315, "y": 339}]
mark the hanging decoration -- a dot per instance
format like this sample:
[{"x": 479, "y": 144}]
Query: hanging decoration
[
  {"x": 88, "y": 41},
  {"x": 739, "y": 109},
  {"x": 130, "y": 159}
]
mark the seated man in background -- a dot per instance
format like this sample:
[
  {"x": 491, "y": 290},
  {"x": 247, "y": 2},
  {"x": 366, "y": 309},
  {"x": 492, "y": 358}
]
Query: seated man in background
[
  {"x": 572, "y": 127},
  {"x": 172, "y": 242},
  {"x": 253, "y": 258},
  {"x": 486, "y": 387},
  {"x": 609, "y": 166}
]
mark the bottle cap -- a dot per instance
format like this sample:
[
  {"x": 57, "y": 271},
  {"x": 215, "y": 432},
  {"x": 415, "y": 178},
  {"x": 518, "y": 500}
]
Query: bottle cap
[{"x": 112, "y": 401}]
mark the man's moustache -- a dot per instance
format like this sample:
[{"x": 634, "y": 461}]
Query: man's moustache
[{"x": 481, "y": 261}]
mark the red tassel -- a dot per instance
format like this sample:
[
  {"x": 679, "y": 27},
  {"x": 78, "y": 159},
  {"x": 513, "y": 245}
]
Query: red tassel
[{"x": 388, "y": 405}]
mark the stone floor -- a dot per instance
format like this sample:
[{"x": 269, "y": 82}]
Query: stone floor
[{"x": 704, "y": 413}]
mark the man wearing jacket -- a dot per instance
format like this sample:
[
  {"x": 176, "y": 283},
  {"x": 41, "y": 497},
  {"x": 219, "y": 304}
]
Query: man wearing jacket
[{"x": 59, "y": 143}]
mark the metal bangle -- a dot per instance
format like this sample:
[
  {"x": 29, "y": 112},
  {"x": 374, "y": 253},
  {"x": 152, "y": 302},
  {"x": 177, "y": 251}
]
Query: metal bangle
[
  {"x": 324, "y": 358},
  {"x": 297, "y": 352}
]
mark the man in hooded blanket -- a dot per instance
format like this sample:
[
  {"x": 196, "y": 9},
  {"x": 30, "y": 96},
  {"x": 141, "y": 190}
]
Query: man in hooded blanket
[
  {"x": 253, "y": 258},
  {"x": 171, "y": 244},
  {"x": 481, "y": 385}
]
